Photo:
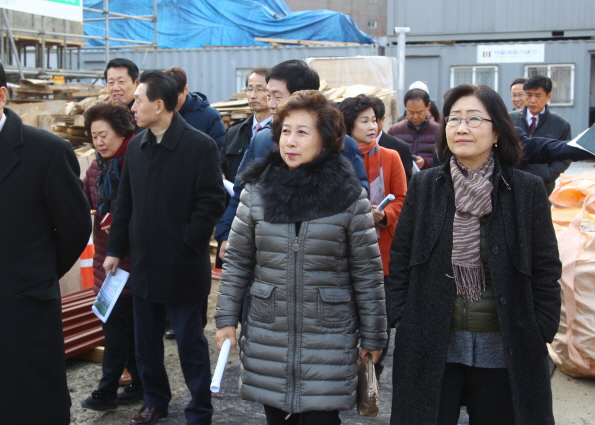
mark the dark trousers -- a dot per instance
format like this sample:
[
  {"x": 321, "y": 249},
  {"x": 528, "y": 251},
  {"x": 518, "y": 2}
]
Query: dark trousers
[
  {"x": 119, "y": 347},
  {"x": 485, "y": 392},
  {"x": 33, "y": 370},
  {"x": 379, "y": 366},
  {"x": 187, "y": 321},
  {"x": 277, "y": 417}
]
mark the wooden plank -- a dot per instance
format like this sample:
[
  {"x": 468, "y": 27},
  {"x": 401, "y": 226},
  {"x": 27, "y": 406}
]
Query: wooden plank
[
  {"x": 94, "y": 355},
  {"x": 79, "y": 120},
  {"x": 305, "y": 42},
  {"x": 231, "y": 103},
  {"x": 76, "y": 131}
]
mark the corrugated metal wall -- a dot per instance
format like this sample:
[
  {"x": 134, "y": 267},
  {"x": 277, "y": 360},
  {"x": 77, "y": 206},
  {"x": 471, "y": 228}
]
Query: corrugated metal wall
[
  {"x": 214, "y": 71},
  {"x": 432, "y": 63},
  {"x": 463, "y": 20}
]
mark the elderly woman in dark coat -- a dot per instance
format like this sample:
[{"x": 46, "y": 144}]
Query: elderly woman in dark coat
[
  {"x": 473, "y": 278},
  {"x": 111, "y": 127},
  {"x": 305, "y": 229}
]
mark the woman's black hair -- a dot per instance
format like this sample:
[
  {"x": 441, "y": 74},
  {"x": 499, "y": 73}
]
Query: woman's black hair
[
  {"x": 509, "y": 150},
  {"x": 113, "y": 112},
  {"x": 353, "y": 106}
]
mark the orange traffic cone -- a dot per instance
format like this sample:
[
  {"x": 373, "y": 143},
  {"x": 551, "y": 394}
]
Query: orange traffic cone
[
  {"x": 87, "y": 280},
  {"x": 216, "y": 273}
]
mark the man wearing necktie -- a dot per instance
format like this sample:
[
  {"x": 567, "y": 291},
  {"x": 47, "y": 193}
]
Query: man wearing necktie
[
  {"x": 537, "y": 120},
  {"x": 238, "y": 136}
]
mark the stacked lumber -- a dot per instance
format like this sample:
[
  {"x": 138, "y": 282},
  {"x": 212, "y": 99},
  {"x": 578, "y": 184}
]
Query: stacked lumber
[
  {"x": 44, "y": 89},
  {"x": 236, "y": 109},
  {"x": 82, "y": 329},
  {"x": 62, "y": 117}
]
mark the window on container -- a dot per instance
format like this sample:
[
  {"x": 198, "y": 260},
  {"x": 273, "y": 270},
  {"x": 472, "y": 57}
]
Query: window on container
[
  {"x": 372, "y": 24},
  {"x": 241, "y": 75},
  {"x": 562, "y": 76},
  {"x": 485, "y": 75}
]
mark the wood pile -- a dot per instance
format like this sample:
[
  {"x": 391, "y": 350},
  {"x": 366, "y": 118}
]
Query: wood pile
[
  {"x": 57, "y": 107},
  {"x": 236, "y": 109},
  {"x": 82, "y": 329},
  {"x": 45, "y": 89}
]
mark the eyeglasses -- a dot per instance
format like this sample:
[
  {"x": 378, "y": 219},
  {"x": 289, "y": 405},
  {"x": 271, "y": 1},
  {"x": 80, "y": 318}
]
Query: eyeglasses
[
  {"x": 256, "y": 89},
  {"x": 513, "y": 95},
  {"x": 472, "y": 121}
]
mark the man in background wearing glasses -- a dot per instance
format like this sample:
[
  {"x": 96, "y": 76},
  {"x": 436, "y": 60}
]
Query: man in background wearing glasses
[{"x": 238, "y": 136}]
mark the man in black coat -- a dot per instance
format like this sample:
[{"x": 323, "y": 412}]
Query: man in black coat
[
  {"x": 170, "y": 198},
  {"x": 45, "y": 226},
  {"x": 239, "y": 135},
  {"x": 538, "y": 121},
  {"x": 390, "y": 142}
]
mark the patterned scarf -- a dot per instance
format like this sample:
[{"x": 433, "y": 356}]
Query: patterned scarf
[
  {"x": 373, "y": 165},
  {"x": 106, "y": 186},
  {"x": 473, "y": 200}
]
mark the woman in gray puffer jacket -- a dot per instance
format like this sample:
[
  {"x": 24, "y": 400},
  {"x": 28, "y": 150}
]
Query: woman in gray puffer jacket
[{"x": 305, "y": 230}]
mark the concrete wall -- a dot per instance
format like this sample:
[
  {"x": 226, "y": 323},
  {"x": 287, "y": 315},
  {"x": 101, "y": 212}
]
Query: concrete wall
[{"x": 30, "y": 21}]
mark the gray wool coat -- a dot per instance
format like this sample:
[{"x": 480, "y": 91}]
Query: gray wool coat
[
  {"x": 316, "y": 294},
  {"x": 525, "y": 267}
]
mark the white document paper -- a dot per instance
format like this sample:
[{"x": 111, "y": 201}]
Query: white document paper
[
  {"x": 574, "y": 143},
  {"x": 109, "y": 293},
  {"x": 228, "y": 186},
  {"x": 220, "y": 368}
]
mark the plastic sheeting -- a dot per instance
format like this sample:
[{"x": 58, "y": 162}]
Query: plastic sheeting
[{"x": 185, "y": 24}]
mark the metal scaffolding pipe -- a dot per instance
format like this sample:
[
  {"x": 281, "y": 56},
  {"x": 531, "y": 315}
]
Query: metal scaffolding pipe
[{"x": 12, "y": 45}]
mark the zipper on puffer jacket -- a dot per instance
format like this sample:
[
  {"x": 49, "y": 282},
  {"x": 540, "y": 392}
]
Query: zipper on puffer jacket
[{"x": 295, "y": 249}]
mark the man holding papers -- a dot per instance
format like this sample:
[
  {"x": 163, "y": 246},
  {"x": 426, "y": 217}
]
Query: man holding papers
[{"x": 171, "y": 196}]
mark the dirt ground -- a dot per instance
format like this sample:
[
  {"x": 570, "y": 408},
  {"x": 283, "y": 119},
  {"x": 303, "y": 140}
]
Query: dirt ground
[{"x": 574, "y": 399}]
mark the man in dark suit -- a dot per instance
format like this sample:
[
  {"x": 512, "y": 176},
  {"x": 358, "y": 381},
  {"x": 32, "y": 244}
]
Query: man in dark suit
[
  {"x": 538, "y": 121},
  {"x": 238, "y": 136},
  {"x": 390, "y": 142},
  {"x": 45, "y": 226},
  {"x": 170, "y": 198}
]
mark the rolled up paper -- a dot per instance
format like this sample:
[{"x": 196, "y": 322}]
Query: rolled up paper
[
  {"x": 220, "y": 368},
  {"x": 385, "y": 202},
  {"x": 228, "y": 186}
]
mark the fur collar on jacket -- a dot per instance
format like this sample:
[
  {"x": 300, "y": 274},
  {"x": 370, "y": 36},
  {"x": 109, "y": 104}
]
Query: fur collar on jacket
[{"x": 320, "y": 188}]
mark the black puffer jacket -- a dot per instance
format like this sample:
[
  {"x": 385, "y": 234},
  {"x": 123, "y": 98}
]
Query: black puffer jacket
[{"x": 316, "y": 294}]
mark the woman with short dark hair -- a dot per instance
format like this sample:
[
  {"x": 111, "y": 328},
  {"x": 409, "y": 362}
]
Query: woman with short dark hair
[
  {"x": 305, "y": 231},
  {"x": 110, "y": 126},
  {"x": 473, "y": 278}
]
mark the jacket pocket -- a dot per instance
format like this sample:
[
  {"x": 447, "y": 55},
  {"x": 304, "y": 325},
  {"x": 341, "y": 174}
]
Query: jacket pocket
[
  {"x": 44, "y": 291},
  {"x": 262, "y": 307},
  {"x": 335, "y": 307}
]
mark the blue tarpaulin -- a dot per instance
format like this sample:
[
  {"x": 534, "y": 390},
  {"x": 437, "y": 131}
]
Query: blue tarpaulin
[{"x": 186, "y": 24}]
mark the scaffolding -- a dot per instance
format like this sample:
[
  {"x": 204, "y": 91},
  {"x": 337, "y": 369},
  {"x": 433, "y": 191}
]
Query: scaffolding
[{"x": 15, "y": 44}]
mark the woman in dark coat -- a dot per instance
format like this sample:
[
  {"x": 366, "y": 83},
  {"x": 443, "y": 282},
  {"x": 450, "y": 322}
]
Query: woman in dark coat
[
  {"x": 473, "y": 278},
  {"x": 110, "y": 125},
  {"x": 305, "y": 230}
]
